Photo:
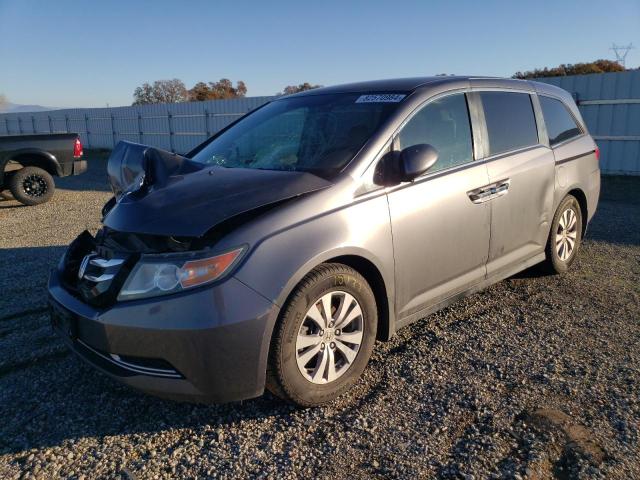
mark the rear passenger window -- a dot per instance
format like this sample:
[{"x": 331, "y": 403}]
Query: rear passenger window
[
  {"x": 511, "y": 123},
  {"x": 444, "y": 124},
  {"x": 560, "y": 124}
]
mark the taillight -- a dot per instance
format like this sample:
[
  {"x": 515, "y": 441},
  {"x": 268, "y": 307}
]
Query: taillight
[
  {"x": 597, "y": 152},
  {"x": 77, "y": 148}
]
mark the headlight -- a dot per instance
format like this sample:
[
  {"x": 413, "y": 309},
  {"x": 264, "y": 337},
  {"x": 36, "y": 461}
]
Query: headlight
[{"x": 162, "y": 274}]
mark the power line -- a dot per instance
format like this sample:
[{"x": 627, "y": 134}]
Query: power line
[{"x": 621, "y": 52}]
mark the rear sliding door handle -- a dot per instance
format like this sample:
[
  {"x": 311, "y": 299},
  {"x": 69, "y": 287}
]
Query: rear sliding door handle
[
  {"x": 489, "y": 192},
  {"x": 502, "y": 188},
  {"x": 479, "y": 195}
]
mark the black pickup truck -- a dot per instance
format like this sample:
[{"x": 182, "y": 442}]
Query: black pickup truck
[{"x": 28, "y": 163}]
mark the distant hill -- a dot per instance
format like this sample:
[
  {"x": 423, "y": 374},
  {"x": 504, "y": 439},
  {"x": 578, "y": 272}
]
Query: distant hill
[{"x": 17, "y": 108}]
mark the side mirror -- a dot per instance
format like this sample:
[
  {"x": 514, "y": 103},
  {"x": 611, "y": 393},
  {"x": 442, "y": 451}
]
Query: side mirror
[
  {"x": 397, "y": 167},
  {"x": 416, "y": 160}
]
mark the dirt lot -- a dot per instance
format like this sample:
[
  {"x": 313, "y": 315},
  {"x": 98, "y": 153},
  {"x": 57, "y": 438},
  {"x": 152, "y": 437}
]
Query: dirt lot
[{"x": 539, "y": 377}]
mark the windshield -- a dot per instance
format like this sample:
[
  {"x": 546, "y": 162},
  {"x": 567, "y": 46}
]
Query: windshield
[{"x": 315, "y": 133}]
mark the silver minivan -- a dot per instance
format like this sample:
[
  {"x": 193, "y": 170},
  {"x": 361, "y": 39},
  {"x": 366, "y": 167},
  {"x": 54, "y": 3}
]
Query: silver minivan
[{"x": 277, "y": 252}]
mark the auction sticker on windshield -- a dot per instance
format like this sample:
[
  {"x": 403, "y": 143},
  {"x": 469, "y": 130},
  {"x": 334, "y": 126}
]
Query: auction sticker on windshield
[{"x": 380, "y": 98}]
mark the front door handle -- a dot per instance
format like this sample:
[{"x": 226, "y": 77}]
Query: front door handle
[{"x": 489, "y": 192}]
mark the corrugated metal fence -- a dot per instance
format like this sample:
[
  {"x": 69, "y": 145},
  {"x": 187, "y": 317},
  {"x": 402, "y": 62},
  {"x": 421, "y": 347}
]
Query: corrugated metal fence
[
  {"x": 609, "y": 102},
  {"x": 175, "y": 126}
]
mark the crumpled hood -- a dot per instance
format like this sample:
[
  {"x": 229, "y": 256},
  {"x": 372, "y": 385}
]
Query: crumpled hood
[{"x": 174, "y": 196}]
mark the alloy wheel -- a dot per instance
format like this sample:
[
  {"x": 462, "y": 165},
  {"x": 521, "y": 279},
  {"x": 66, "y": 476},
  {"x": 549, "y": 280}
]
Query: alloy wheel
[
  {"x": 34, "y": 185},
  {"x": 329, "y": 338},
  {"x": 566, "y": 234}
]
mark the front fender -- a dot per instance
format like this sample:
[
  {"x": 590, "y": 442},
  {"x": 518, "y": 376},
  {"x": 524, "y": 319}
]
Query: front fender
[
  {"x": 279, "y": 261},
  {"x": 324, "y": 257}
]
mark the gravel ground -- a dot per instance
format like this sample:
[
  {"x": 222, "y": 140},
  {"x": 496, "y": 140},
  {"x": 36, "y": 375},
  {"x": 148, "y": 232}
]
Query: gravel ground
[{"x": 537, "y": 377}]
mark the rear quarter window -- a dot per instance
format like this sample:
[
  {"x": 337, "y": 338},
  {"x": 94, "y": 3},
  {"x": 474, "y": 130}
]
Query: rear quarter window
[
  {"x": 511, "y": 123},
  {"x": 560, "y": 123}
]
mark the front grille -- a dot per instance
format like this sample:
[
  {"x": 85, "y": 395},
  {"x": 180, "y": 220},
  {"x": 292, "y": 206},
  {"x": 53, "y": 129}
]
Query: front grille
[
  {"x": 96, "y": 276},
  {"x": 100, "y": 277},
  {"x": 93, "y": 272},
  {"x": 100, "y": 269}
]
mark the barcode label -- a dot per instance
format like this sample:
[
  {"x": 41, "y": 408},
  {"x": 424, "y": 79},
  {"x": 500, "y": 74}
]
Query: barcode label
[{"x": 381, "y": 98}]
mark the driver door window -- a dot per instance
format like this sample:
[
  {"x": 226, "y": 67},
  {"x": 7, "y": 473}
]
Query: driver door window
[{"x": 444, "y": 124}]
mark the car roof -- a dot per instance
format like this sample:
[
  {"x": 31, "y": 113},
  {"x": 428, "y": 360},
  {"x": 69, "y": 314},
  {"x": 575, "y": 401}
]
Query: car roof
[
  {"x": 440, "y": 82},
  {"x": 411, "y": 84}
]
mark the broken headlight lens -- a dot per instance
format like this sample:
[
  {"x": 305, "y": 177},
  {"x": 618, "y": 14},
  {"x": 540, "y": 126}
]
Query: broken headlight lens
[{"x": 156, "y": 275}]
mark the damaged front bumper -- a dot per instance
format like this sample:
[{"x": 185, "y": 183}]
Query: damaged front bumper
[{"x": 206, "y": 345}]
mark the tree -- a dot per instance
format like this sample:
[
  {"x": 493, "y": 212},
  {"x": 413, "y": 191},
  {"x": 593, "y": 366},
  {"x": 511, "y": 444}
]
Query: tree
[
  {"x": 3, "y": 101},
  {"x": 224, "y": 89},
  {"x": 200, "y": 92},
  {"x": 162, "y": 91},
  {"x": 217, "y": 90},
  {"x": 291, "y": 89},
  {"x": 599, "y": 66},
  {"x": 143, "y": 95}
]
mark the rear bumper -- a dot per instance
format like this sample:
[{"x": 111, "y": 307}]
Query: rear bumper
[
  {"x": 209, "y": 345},
  {"x": 79, "y": 166}
]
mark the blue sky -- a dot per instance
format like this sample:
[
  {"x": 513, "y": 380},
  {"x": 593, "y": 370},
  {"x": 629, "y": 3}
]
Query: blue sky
[{"x": 90, "y": 53}]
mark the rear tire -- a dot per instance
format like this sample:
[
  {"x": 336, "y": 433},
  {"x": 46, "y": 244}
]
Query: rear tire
[
  {"x": 565, "y": 236},
  {"x": 31, "y": 185},
  {"x": 316, "y": 357}
]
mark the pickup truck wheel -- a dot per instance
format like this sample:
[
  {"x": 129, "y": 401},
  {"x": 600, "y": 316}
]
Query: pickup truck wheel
[
  {"x": 324, "y": 337},
  {"x": 565, "y": 236},
  {"x": 31, "y": 186}
]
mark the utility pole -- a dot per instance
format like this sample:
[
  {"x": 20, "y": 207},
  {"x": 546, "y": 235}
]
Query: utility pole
[{"x": 621, "y": 52}]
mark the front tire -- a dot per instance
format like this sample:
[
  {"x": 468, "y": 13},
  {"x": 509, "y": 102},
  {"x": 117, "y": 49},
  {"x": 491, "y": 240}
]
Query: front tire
[
  {"x": 565, "y": 236},
  {"x": 324, "y": 337},
  {"x": 31, "y": 186}
]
